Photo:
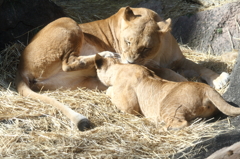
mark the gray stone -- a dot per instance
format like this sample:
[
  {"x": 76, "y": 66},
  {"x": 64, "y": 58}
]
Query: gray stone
[
  {"x": 208, "y": 3},
  {"x": 231, "y": 152},
  {"x": 208, "y": 147},
  {"x": 215, "y": 31},
  {"x": 155, "y": 5},
  {"x": 232, "y": 94},
  {"x": 21, "y": 19}
]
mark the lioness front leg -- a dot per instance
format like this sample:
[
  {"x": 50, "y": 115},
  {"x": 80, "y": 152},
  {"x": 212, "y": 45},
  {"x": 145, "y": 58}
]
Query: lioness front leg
[
  {"x": 190, "y": 69},
  {"x": 73, "y": 62}
]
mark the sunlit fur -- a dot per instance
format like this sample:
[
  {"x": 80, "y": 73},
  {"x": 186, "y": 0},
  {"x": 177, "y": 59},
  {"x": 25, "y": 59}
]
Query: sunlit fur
[{"x": 61, "y": 55}]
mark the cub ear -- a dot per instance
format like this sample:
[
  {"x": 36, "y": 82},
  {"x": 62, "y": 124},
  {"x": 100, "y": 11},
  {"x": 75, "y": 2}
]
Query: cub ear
[
  {"x": 128, "y": 14},
  {"x": 98, "y": 61},
  {"x": 165, "y": 26}
]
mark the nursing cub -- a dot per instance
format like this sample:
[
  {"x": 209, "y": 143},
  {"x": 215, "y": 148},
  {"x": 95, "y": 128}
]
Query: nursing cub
[{"x": 135, "y": 89}]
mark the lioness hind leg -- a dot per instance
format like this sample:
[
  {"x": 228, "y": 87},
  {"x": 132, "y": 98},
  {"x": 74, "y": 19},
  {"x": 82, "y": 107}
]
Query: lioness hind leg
[
  {"x": 190, "y": 69},
  {"x": 175, "y": 123},
  {"x": 168, "y": 74},
  {"x": 110, "y": 91}
]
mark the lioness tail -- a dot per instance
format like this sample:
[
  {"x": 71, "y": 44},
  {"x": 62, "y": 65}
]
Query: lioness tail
[{"x": 81, "y": 121}]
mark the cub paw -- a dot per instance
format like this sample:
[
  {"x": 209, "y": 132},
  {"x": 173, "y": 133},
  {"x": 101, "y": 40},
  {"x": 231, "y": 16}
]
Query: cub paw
[
  {"x": 221, "y": 80},
  {"x": 109, "y": 54}
]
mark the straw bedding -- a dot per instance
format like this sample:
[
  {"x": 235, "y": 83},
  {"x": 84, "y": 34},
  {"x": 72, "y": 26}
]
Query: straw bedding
[{"x": 32, "y": 129}]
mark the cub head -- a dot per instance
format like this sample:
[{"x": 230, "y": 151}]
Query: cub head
[
  {"x": 141, "y": 35},
  {"x": 103, "y": 65}
]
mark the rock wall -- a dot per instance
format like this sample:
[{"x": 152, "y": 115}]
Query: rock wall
[
  {"x": 232, "y": 94},
  {"x": 207, "y": 147},
  {"x": 21, "y": 19},
  {"x": 231, "y": 152},
  {"x": 211, "y": 31}
]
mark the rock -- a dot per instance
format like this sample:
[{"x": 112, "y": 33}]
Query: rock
[
  {"x": 231, "y": 152},
  {"x": 21, "y": 19},
  {"x": 232, "y": 94},
  {"x": 169, "y": 8},
  {"x": 155, "y": 5},
  {"x": 208, "y": 3},
  {"x": 215, "y": 31},
  {"x": 208, "y": 147}
]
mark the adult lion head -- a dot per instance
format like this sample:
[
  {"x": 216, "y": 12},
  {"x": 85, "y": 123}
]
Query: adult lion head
[{"x": 141, "y": 34}]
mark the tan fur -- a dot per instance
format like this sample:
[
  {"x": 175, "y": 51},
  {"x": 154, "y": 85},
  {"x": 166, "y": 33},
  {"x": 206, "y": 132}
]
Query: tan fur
[
  {"x": 62, "y": 54},
  {"x": 135, "y": 89}
]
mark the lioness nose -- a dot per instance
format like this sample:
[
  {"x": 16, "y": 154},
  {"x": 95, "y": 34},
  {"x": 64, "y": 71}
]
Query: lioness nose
[{"x": 130, "y": 61}]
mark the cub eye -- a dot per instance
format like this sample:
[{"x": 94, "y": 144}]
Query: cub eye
[{"x": 127, "y": 42}]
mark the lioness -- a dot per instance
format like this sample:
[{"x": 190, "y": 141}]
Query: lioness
[
  {"x": 137, "y": 90},
  {"x": 62, "y": 54}
]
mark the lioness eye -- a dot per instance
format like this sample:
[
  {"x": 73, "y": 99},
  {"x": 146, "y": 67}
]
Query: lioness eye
[
  {"x": 144, "y": 52},
  {"x": 145, "y": 49},
  {"x": 127, "y": 42}
]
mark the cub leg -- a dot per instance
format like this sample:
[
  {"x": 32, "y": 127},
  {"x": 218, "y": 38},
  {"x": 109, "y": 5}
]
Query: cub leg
[
  {"x": 125, "y": 100},
  {"x": 174, "y": 123},
  {"x": 174, "y": 115}
]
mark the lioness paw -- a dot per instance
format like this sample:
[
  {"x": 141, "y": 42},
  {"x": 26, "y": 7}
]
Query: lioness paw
[
  {"x": 221, "y": 80},
  {"x": 109, "y": 54}
]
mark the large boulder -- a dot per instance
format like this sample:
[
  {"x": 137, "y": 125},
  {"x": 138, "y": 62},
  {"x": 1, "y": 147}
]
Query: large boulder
[
  {"x": 206, "y": 148},
  {"x": 21, "y": 19},
  {"x": 216, "y": 30},
  {"x": 232, "y": 94},
  {"x": 155, "y": 5},
  {"x": 231, "y": 152},
  {"x": 208, "y": 3}
]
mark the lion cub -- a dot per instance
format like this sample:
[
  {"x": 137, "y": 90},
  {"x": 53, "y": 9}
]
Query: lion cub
[{"x": 135, "y": 89}]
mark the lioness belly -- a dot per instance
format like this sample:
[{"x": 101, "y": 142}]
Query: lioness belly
[{"x": 64, "y": 80}]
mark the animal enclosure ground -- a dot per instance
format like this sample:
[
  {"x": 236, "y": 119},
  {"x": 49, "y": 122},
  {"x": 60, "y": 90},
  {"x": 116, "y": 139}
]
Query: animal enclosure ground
[{"x": 32, "y": 129}]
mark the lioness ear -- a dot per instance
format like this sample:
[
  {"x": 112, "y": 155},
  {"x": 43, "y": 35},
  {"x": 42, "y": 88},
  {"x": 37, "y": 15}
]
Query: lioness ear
[
  {"x": 165, "y": 26},
  {"x": 98, "y": 61},
  {"x": 128, "y": 14}
]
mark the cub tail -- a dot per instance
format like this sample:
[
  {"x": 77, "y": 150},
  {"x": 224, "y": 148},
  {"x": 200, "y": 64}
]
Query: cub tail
[{"x": 221, "y": 104}]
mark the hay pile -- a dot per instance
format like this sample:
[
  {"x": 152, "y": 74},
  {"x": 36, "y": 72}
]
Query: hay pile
[{"x": 32, "y": 129}]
